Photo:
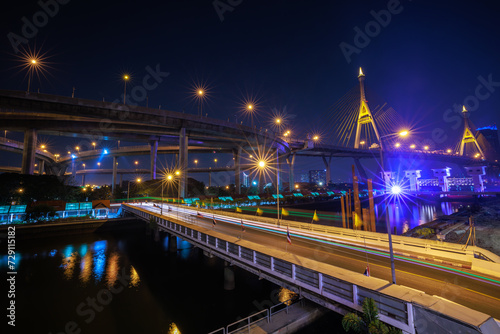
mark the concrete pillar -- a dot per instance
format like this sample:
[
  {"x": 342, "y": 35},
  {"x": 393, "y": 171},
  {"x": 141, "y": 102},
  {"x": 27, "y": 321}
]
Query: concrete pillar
[
  {"x": 328, "y": 168},
  {"x": 477, "y": 173},
  {"x": 172, "y": 243},
  {"x": 237, "y": 170},
  {"x": 183, "y": 162},
  {"x": 154, "y": 156},
  {"x": 113, "y": 177},
  {"x": 291, "y": 179},
  {"x": 30, "y": 142},
  {"x": 73, "y": 169},
  {"x": 442, "y": 174},
  {"x": 413, "y": 175},
  {"x": 229, "y": 283},
  {"x": 41, "y": 167}
]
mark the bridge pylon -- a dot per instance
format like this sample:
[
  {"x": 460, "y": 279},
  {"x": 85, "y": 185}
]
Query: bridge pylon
[
  {"x": 365, "y": 115},
  {"x": 468, "y": 136}
]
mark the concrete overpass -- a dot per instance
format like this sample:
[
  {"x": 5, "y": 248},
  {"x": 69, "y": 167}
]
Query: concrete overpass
[{"x": 325, "y": 265}]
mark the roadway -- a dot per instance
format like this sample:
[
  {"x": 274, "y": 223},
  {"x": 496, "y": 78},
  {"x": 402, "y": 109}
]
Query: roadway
[{"x": 477, "y": 291}]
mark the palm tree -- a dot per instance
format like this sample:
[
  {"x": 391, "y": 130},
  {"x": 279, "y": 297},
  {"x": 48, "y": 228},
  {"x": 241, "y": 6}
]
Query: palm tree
[{"x": 368, "y": 322}]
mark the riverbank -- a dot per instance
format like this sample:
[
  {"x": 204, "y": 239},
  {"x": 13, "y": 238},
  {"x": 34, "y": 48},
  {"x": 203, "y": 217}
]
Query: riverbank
[
  {"x": 51, "y": 229},
  {"x": 456, "y": 228}
]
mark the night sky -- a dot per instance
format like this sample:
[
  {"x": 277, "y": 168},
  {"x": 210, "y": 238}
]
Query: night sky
[{"x": 422, "y": 60}]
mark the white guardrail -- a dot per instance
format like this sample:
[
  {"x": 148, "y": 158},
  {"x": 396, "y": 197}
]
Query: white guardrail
[{"x": 325, "y": 284}]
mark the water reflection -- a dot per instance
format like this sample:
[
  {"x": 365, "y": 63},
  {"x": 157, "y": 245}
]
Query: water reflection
[
  {"x": 404, "y": 216},
  {"x": 112, "y": 269},
  {"x": 85, "y": 268},
  {"x": 286, "y": 296},
  {"x": 68, "y": 263},
  {"x": 173, "y": 329},
  {"x": 134, "y": 277},
  {"x": 99, "y": 259}
]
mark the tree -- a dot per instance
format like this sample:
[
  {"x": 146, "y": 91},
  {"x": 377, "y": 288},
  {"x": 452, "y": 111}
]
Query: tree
[{"x": 368, "y": 322}]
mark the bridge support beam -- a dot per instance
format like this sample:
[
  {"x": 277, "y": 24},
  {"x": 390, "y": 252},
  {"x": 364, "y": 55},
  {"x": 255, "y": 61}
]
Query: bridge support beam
[
  {"x": 154, "y": 156},
  {"x": 172, "y": 243},
  {"x": 73, "y": 169},
  {"x": 290, "y": 160},
  {"x": 328, "y": 168},
  {"x": 237, "y": 171},
  {"x": 229, "y": 283},
  {"x": 113, "y": 177},
  {"x": 41, "y": 167},
  {"x": 183, "y": 162},
  {"x": 30, "y": 142}
]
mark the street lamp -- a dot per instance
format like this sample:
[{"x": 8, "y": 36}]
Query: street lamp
[
  {"x": 99, "y": 165},
  {"x": 128, "y": 189},
  {"x": 93, "y": 144},
  {"x": 403, "y": 133},
  {"x": 200, "y": 94},
  {"x": 196, "y": 162},
  {"x": 169, "y": 178},
  {"x": 215, "y": 160},
  {"x": 77, "y": 149},
  {"x": 262, "y": 165},
  {"x": 32, "y": 67},
  {"x": 126, "y": 78}
]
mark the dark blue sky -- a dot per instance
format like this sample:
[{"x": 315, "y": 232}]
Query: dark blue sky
[{"x": 429, "y": 57}]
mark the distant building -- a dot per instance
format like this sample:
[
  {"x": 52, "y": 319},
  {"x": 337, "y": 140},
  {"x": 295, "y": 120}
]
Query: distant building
[
  {"x": 246, "y": 181},
  {"x": 317, "y": 177},
  {"x": 490, "y": 133},
  {"x": 304, "y": 177}
]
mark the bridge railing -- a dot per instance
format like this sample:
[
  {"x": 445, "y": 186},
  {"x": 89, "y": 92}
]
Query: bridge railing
[{"x": 402, "y": 245}]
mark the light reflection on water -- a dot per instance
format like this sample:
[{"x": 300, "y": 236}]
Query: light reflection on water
[
  {"x": 404, "y": 216},
  {"x": 173, "y": 329},
  {"x": 286, "y": 295},
  {"x": 93, "y": 261}
]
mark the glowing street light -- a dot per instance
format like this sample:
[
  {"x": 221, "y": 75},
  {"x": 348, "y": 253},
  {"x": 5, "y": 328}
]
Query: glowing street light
[
  {"x": 138, "y": 180},
  {"x": 448, "y": 150},
  {"x": 397, "y": 145},
  {"x": 426, "y": 147},
  {"x": 316, "y": 138},
  {"x": 32, "y": 65},
  {"x": 412, "y": 146},
  {"x": 77, "y": 149},
  {"x": 403, "y": 133},
  {"x": 196, "y": 162},
  {"x": 99, "y": 164},
  {"x": 215, "y": 160},
  {"x": 262, "y": 164},
  {"x": 126, "y": 78},
  {"x": 42, "y": 147},
  {"x": 83, "y": 166},
  {"x": 93, "y": 144}
]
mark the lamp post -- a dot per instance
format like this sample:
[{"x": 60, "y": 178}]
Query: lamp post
[
  {"x": 262, "y": 165},
  {"x": 128, "y": 189},
  {"x": 178, "y": 173},
  {"x": 169, "y": 178},
  {"x": 387, "y": 222},
  {"x": 126, "y": 78},
  {"x": 200, "y": 94},
  {"x": 32, "y": 66}
]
